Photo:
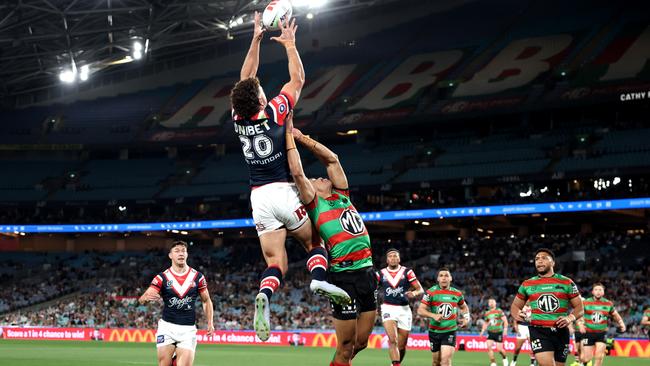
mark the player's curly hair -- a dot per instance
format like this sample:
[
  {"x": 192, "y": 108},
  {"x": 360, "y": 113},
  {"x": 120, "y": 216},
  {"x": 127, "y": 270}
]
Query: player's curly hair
[{"x": 245, "y": 97}]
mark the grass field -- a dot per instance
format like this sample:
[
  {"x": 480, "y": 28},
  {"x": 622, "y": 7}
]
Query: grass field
[{"x": 68, "y": 353}]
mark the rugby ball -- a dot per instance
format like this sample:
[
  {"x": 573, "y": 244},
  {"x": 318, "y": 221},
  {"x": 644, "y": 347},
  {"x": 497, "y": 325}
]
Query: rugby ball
[{"x": 275, "y": 13}]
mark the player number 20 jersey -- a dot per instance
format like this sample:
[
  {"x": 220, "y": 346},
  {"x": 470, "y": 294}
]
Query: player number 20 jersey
[{"x": 263, "y": 141}]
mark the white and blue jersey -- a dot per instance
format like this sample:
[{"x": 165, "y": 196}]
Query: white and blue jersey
[
  {"x": 179, "y": 292},
  {"x": 395, "y": 284},
  {"x": 264, "y": 143}
]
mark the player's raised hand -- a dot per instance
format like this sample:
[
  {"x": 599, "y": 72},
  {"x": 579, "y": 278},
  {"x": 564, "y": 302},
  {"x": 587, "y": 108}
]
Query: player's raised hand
[
  {"x": 288, "y": 36},
  {"x": 297, "y": 134},
  {"x": 258, "y": 30},
  {"x": 289, "y": 122}
]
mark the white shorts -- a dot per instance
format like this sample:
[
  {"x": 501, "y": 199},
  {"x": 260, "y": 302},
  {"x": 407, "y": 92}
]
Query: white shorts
[
  {"x": 401, "y": 314},
  {"x": 276, "y": 205},
  {"x": 182, "y": 336},
  {"x": 522, "y": 332}
]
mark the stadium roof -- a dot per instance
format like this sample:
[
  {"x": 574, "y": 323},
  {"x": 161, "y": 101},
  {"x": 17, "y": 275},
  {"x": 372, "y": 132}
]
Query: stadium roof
[{"x": 41, "y": 38}]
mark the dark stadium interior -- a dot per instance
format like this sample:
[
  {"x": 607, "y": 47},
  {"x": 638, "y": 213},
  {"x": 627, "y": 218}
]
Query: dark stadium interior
[{"x": 152, "y": 141}]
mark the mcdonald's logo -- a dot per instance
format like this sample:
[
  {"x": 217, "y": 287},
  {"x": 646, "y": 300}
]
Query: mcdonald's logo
[
  {"x": 631, "y": 349},
  {"x": 131, "y": 335},
  {"x": 324, "y": 340},
  {"x": 329, "y": 340},
  {"x": 375, "y": 340}
]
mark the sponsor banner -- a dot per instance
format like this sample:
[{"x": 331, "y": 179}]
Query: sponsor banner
[
  {"x": 434, "y": 213},
  {"x": 623, "y": 347},
  {"x": 48, "y": 334}
]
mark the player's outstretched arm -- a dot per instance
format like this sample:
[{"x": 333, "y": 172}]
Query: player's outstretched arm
[
  {"x": 150, "y": 295},
  {"x": 296, "y": 71},
  {"x": 252, "y": 61},
  {"x": 305, "y": 188},
  {"x": 504, "y": 318},
  {"x": 208, "y": 310},
  {"x": 326, "y": 156}
]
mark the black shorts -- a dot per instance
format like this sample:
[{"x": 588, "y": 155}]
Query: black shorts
[
  {"x": 361, "y": 285},
  {"x": 578, "y": 337},
  {"x": 438, "y": 340},
  {"x": 554, "y": 340},
  {"x": 590, "y": 339},
  {"x": 497, "y": 337}
]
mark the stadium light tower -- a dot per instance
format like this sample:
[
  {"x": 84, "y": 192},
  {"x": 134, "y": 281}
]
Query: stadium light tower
[
  {"x": 67, "y": 76},
  {"x": 83, "y": 72},
  {"x": 137, "y": 50}
]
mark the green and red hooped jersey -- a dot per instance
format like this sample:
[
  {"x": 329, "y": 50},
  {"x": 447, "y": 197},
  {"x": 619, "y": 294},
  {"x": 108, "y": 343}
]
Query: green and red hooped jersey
[
  {"x": 494, "y": 318},
  {"x": 597, "y": 314},
  {"x": 549, "y": 298},
  {"x": 342, "y": 229},
  {"x": 445, "y": 302}
]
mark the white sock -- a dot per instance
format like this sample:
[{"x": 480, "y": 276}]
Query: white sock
[
  {"x": 493, "y": 364},
  {"x": 505, "y": 361}
]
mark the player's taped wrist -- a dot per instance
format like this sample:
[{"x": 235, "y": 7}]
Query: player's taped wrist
[{"x": 291, "y": 144}]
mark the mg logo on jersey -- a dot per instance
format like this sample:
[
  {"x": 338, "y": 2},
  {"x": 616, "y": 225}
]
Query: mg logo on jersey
[
  {"x": 597, "y": 317},
  {"x": 446, "y": 310},
  {"x": 351, "y": 222},
  {"x": 548, "y": 303}
]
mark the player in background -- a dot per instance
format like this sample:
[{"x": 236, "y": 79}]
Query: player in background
[
  {"x": 496, "y": 324},
  {"x": 578, "y": 334},
  {"x": 260, "y": 126},
  {"x": 550, "y": 295},
  {"x": 441, "y": 304},
  {"x": 339, "y": 224},
  {"x": 645, "y": 321},
  {"x": 399, "y": 285},
  {"x": 523, "y": 335},
  {"x": 179, "y": 286},
  {"x": 598, "y": 311}
]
